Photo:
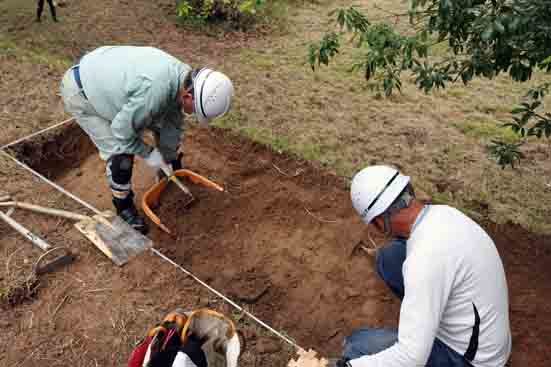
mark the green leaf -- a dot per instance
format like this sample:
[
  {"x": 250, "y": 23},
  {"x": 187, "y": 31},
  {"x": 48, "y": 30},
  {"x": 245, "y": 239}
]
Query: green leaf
[
  {"x": 518, "y": 110},
  {"x": 506, "y": 154},
  {"x": 498, "y": 26},
  {"x": 514, "y": 24},
  {"x": 488, "y": 33}
]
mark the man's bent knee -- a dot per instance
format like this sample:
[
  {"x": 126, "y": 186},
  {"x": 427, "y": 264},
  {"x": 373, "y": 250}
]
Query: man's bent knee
[
  {"x": 119, "y": 173},
  {"x": 368, "y": 341}
]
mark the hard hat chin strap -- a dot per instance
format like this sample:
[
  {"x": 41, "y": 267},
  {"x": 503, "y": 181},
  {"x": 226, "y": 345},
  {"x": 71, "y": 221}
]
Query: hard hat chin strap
[
  {"x": 402, "y": 202},
  {"x": 387, "y": 224}
]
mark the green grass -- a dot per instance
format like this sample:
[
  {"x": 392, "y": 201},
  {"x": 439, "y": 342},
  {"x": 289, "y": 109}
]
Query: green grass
[
  {"x": 259, "y": 60},
  {"x": 273, "y": 14},
  {"x": 495, "y": 109},
  {"x": 18, "y": 7},
  {"x": 7, "y": 46},
  {"x": 300, "y": 112},
  {"x": 486, "y": 129},
  {"x": 331, "y": 116},
  {"x": 456, "y": 92},
  {"x": 233, "y": 121},
  {"x": 439, "y": 49},
  {"x": 34, "y": 55}
]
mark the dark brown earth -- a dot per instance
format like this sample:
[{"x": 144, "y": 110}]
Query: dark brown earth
[{"x": 280, "y": 240}]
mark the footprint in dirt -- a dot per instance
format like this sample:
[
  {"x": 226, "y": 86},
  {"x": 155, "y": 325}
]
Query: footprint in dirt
[{"x": 248, "y": 287}]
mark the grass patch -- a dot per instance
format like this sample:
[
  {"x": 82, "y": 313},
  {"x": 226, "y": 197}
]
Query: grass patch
[
  {"x": 495, "y": 109},
  {"x": 485, "y": 129},
  {"x": 17, "y": 283},
  {"x": 18, "y": 7},
  {"x": 233, "y": 121},
  {"x": 439, "y": 49},
  {"x": 456, "y": 92},
  {"x": 272, "y": 16},
  {"x": 322, "y": 150},
  {"x": 331, "y": 116},
  {"x": 259, "y": 60},
  {"x": 34, "y": 55},
  {"x": 7, "y": 47}
]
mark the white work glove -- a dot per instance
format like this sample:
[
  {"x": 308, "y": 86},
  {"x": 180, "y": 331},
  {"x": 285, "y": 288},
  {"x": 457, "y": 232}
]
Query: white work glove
[{"x": 155, "y": 160}]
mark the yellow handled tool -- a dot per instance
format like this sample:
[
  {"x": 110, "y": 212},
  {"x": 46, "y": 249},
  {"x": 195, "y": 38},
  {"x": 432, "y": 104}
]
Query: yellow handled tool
[
  {"x": 179, "y": 183},
  {"x": 172, "y": 177}
]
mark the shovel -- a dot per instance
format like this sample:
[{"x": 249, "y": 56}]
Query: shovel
[
  {"x": 51, "y": 258},
  {"x": 115, "y": 238},
  {"x": 172, "y": 177},
  {"x": 152, "y": 197}
]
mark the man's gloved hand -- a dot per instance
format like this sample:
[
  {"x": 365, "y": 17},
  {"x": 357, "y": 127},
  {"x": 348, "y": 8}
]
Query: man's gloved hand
[
  {"x": 174, "y": 165},
  {"x": 193, "y": 350},
  {"x": 343, "y": 362},
  {"x": 177, "y": 163},
  {"x": 155, "y": 159}
]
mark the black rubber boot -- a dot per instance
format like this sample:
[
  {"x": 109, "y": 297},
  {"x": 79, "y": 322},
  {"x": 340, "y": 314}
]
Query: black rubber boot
[{"x": 128, "y": 212}]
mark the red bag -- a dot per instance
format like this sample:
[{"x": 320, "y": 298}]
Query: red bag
[
  {"x": 161, "y": 342},
  {"x": 138, "y": 354}
]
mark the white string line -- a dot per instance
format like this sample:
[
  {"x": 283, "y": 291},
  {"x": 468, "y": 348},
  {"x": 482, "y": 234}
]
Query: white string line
[
  {"x": 155, "y": 251},
  {"x": 56, "y": 186},
  {"x": 239, "y": 308},
  {"x": 37, "y": 133}
]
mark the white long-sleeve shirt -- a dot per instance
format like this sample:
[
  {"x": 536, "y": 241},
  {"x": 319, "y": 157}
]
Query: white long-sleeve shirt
[{"x": 451, "y": 267}]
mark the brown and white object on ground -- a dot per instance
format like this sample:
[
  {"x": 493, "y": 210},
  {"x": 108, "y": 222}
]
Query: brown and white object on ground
[{"x": 308, "y": 359}]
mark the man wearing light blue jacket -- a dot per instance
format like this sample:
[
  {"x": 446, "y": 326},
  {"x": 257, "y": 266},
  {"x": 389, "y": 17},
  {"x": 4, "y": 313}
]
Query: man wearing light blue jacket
[{"x": 115, "y": 93}]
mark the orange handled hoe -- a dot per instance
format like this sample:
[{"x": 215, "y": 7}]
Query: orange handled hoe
[{"x": 152, "y": 197}]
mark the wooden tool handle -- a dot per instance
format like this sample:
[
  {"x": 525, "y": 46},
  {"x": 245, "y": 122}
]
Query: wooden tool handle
[
  {"x": 25, "y": 232},
  {"x": 44, "y": 210},
  {"x": 180, "y": 184},
  {"x": 104, "y": 220}
]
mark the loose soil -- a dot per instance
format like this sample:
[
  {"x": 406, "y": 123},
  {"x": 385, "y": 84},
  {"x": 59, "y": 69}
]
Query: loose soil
[
  {"x": 281, "y": 241},
  {"x": 278, "y": 241}
]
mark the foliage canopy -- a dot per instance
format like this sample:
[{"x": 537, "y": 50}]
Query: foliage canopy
[{"x": 485, "y": 38}]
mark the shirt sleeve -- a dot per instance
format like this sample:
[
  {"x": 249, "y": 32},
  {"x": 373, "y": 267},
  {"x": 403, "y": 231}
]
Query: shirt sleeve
[
  {"x": 170, "y": 134},
  {"x": 183, "y": 360},
  {"x": 136, "y": 114},
  {"x": 427, "y": 285}
]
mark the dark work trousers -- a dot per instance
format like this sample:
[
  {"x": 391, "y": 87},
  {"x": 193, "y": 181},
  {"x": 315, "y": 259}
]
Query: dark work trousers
[
  {"x": 367, "y": 341},
  {"x": 41, "y": 7}
]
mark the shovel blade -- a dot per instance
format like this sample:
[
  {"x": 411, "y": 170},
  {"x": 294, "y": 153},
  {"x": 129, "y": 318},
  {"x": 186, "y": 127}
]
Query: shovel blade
[
  {"x": 117, "y": 239},
  {"x": 52, "y": 259}
]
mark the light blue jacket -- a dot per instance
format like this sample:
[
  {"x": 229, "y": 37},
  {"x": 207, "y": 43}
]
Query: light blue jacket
[{"x": 136, "y": 88}]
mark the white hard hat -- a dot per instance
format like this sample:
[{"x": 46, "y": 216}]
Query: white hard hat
[
  {"x": 374, "y": 189},
  {"x": 213, "y": 93}
]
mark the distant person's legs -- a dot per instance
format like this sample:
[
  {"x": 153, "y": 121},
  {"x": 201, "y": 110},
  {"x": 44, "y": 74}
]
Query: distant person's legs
[
  {"x": 40, "y": 8},
  {"x": 52, "y": 9}
]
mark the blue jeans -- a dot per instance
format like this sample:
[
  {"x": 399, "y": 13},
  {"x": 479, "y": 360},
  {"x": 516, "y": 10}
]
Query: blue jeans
[{"x": 368, "y": 341}]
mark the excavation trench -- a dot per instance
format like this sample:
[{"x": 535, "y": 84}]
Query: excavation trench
[{"x": 280, "y": 239}]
